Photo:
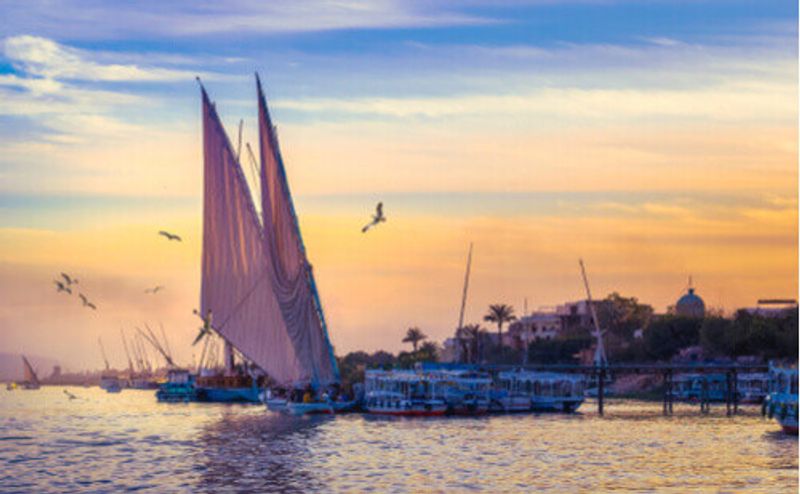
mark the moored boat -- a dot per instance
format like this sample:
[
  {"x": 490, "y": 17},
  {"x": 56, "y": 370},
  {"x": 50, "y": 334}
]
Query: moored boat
[
  {"x": 111, "y": 383},
  {"x": 466, "y": 392},
  {"x": 403, "y": 393},
  {"x": 782, "y": 401},
  {"x": 179, "y": 387},
  {"x": 752, "y": 387},
  {"x": 546, "y": 391},
  {"x": 221, "y": 388}
]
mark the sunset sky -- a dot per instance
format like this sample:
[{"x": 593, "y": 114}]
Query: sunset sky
[{"x": 656, "y": 140}]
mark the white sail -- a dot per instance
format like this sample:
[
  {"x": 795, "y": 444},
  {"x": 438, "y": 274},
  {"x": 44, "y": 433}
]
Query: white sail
[
  {"x": 236, "y": 285},
  {"x": 255, "y": 281},
  {"x": 291, "y": 273}
]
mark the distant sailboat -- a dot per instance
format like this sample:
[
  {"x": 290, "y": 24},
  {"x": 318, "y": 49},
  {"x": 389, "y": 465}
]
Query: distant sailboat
[
  {"x": 257, "y": 282},
  {"x": 30, "y": 379}
]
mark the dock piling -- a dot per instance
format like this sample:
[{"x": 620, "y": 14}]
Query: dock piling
[
  {"x": 728, "y": 393},
  {"x": 601, "y": 383}
]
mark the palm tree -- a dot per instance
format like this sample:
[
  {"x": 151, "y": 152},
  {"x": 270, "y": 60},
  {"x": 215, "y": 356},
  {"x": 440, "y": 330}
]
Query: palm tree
[
  {"x": 500, "y": 314},
  {"x": 429, "y": 351},
  {"x": 414, "y": 336},
  {"x": 472, "y": 336}
]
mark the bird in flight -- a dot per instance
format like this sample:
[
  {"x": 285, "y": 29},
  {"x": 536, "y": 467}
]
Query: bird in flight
[
  {"x": 169, "y": 236},
  {"x": 378, "y": 217},
  {"x": 61, "y": 287},
  {"x": 69, "y": 279},
  {"x": 154, "y": 290},
  {"x": 86, "y": 302}
]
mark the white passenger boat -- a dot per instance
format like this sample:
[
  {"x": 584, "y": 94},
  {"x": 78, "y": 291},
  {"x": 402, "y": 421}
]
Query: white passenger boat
[
  {"x": 466, "y": 392},
  {"x": 753, "y": 387},
  {"x": 507, "y": 397},
  {"x": 782, "y": 401},
  {"x": 403, "y": 393},
  {"x": 544, "y": 391},
  {"x": 554, "y": 392}
]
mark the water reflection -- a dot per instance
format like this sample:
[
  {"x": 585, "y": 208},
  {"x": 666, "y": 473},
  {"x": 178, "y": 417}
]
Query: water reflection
[
  {"x": 113, "y": 443},
  {"x": 259, "y": 453}
]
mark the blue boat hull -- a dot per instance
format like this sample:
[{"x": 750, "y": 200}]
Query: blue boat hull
[{"x": 228, "y": 395}]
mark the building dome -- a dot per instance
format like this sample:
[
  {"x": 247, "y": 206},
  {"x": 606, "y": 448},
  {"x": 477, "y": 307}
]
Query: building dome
[{"x": 690, "y": 305}]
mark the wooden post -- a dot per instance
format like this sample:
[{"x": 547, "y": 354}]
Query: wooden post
[
  {"x": 601, "y": 383},
  {"x": 704, "y": 396},
  {"x": 666, "y": 391},
  {"x": 728, "y": 393},
  {"x": 735, "y": 393},
  {"x": 671, "y": 396}
]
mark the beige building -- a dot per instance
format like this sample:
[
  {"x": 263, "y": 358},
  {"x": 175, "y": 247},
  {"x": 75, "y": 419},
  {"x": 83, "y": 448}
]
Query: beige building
[{"x": 534, "y": 326}]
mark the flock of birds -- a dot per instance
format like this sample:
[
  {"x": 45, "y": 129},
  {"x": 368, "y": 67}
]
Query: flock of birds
[
  {"x": 67, "y": 283},
  {"x": 66, "y": 286}
]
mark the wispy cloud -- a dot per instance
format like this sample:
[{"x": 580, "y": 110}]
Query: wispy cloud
[
  {"x": 42, "y": 57},
  {"x": 78, "y": 19},
  {"x": 727, "y": 102}
]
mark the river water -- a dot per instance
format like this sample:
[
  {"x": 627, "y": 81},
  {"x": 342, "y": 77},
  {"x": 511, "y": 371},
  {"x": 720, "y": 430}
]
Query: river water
[{"x": 114, "y": 442}]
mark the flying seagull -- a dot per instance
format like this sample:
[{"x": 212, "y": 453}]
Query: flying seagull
[
  {"x": 154, "y": 290},
  {"x": 69, "y": 279},
  {"x": 205, "y": 329},
  {"x": 378, "y": 217},
  {"x": 169, "y": 236},
  {"x": 61, "y": 287},
  {"x": 86, "y": 302}
]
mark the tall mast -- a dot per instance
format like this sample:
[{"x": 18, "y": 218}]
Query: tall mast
[
  {"x": 127, "y": 353},
  {"x": 466, "y": 287},
  {"x": 600, "y": 352},
  {"x": 103, "y": 352}
]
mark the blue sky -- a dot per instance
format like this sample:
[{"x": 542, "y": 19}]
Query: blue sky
[{"x": 656, "y": 139}]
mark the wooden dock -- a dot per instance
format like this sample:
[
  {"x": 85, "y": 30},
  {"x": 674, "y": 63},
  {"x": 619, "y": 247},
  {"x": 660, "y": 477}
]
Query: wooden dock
[{"x": 667, "y": 371}]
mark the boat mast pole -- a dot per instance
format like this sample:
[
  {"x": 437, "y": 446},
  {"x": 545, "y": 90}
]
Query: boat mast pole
[
  {"x": 127, "y": 353},
  {"x": 600, "y": 352},
  {"x": 464, "y": 298},
  {"x": 103, "y": 352}
]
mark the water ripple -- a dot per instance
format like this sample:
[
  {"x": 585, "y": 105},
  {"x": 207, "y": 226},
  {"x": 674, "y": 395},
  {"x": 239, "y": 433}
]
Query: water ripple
[{"x": 128, "y": 442}]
